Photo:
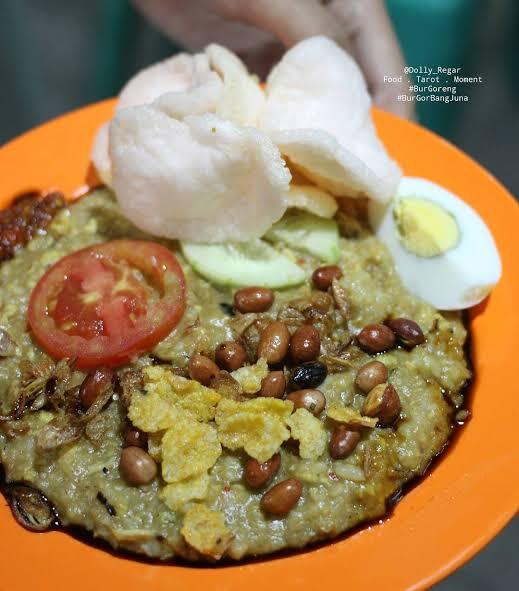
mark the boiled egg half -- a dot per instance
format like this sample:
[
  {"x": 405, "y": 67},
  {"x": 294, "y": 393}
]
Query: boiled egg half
[{"x": 443, "y": 250}]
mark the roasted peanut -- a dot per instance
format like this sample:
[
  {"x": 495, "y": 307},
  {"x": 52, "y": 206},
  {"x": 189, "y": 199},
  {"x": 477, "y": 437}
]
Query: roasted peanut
[
  {"x": 202, "y": 369},
  {"x": 135, "y": 437},
  {"x": 323, "y": 276},
  {"x": 95, "y": 385},
  {"x": 383, "y": 402},
  {"x": 282, "y": 497},
  {"x": 305, "y": 344},
  {"x": 407, "y": 331},
  {"x": 313, "y": 400},
  {"x": 253, "y": 299},
  {"x": 375, "y": 338},
  {"x": 274, "y": 342},
  {"x": 230, "y": 355},
  {"x": 342, "y": 442},
  {"x": 136, "y": 466},
  {"x": 273, "y": 385},
  {"x": 370, "y": 375},
  {"x": 257, "y": 475}
]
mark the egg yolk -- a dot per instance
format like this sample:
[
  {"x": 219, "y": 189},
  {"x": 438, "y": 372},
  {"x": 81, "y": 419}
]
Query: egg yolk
[{"x": 424, "y": 227}]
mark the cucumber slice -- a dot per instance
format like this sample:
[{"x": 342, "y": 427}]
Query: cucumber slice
[
  {"x": 242, "y": 264},
  {"x": 309, "y": 233}
]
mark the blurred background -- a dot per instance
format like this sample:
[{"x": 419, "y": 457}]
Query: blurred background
[{"x": 57, "y": 55}]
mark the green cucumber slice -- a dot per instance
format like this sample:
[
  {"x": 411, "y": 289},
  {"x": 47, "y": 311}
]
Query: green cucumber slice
[
  {"x": 243, "y": 263},
  {"x": 307, "y": 232}
]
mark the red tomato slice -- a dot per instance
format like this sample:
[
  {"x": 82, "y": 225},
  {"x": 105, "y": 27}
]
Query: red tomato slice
[{"x": 108, "y": 303}]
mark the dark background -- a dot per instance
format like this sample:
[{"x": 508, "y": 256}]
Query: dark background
[{"x": 57, "y": 55}]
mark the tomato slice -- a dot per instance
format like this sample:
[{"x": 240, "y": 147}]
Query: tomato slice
[{"x": 108, "y": 303}]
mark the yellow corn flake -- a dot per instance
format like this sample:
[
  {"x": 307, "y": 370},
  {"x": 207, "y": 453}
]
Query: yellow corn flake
[
  {"x": 189, "y": 448},
  {"x": 151, "y": 413},
  {"x": 310, "y": 433},
  {"x": 250, "y": 376},
  {"x": 167, "y": 397},
  {"x": 259, "y": 426},
  {"x": 205, "y": 531},
  {"x": 196, "y": 399},
  {"x": 350, "y": 416},
  {"x": 190, "y": 395},
  {"x": 155, "y": 445},
  {"x": 176, "y": 495}
]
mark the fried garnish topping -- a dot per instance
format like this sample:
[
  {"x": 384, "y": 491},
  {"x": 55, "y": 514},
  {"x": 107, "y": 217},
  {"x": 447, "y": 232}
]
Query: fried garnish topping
[
  {"x": 250, "y": 376},
  {"x": 189, "y": 395},
  {"x": 41, "y": 381},
  {"x": 350, "y": 416},
  {"x": 336, "y": 364},
  {"x": 227, "y": 386},
  {"x": 98, "y": 429},
  {"x": 178, "y": 494},
  {"x": 259, "y": 426},
  {"x": 167, "y": 396},
  {"x": 12, "y": 429},
  {"x": 189, "y": 448},
  {"x": 340, "y": 297},
  {"x": 58, "y": 432},
  {"x": 151, "y": 413},
  {"x": 250, "y": 327},
  {"x": 131, "y": 381},
  {"x": 310, "y": 433},
  {"x": 205, "y": 531},
  {"x": 35, "y": 375}
]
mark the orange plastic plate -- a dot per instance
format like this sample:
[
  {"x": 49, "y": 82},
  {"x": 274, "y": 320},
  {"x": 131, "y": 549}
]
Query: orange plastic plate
[{"x": 466, "y": 499}]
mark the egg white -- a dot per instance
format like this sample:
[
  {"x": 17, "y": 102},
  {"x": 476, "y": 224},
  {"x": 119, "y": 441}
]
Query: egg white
[{"x": 458, "y": 278}]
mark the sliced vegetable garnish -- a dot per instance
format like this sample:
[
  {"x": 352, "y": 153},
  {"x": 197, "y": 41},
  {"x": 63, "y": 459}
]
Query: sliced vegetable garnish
[
  {"x": 108, "y": 303},
  {"x": 309, "y": 233},
  {"x": 243, "y": 263}
]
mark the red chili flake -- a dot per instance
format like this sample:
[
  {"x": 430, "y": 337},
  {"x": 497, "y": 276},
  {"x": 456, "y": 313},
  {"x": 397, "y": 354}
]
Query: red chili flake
[
  {"x": 301, "y": 261},
  {"x": 332, "y": 475},
  {"x": 226, "y": 488}
]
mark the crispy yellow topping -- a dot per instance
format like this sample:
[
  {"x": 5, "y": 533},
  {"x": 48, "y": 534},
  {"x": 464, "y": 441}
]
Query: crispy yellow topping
[
  {"x": 167, "y": 397},
  {"x": 350, "y": 416},
  {"x": 259, "y": 426},
  {"x": 189, "y": 448},
  {"x": 205, "y": 531},
  {"x": 155, "y": 445},
  {"x": 310, "y": 433},
  {"x": 250, "y": 376},
  {"x": 151, "y": 413},
  {"x": 178, "y": 494}
]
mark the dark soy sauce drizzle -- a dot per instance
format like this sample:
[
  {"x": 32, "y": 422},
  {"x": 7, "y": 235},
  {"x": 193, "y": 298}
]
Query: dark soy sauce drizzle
[{"x": 85, "y": 537}]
